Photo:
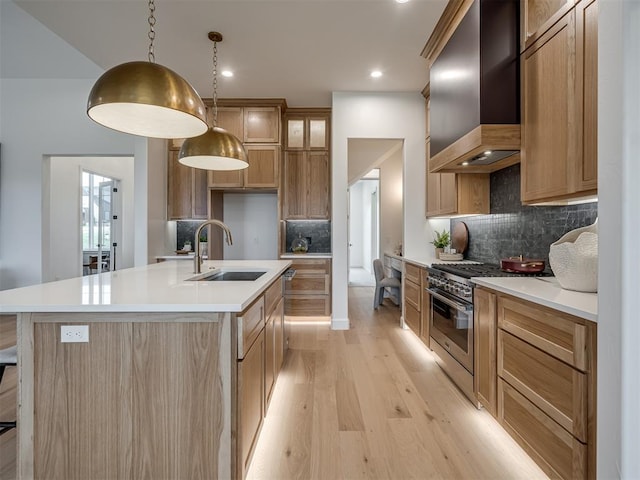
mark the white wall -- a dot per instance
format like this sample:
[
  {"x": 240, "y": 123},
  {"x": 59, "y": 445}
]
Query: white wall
[
  {"x": 62, "y": 254},
  {"x": 376, "y": 115},
  {"x": 391, "y": 193},
  {"x": 619, "y": 228},
  {"x": 43, "y": 93},
  {"x": 56, "y": 125},
  {"x": 253, "y": 221}
]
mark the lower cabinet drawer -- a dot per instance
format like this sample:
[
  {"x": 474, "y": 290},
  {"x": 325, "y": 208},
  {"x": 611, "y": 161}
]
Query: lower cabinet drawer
[
  {"x": 412, "y": 294},
  {"x": 309, "y": 284},
  {"x": 412, "y": 318},
  {"x": 553, "y": 386},
  {"x": 307, "y": 305},
  {"x": 412, "y": 273},
  {"x": 555, "y": 450},
  {"x": 250, "y": 323}
]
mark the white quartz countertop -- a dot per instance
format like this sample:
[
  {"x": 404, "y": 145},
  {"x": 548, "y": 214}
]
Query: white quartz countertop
[
  {"x": 306, "y": 255},
  {"x": 545, "y": 291},
  {"x": 159, "y": 287}
]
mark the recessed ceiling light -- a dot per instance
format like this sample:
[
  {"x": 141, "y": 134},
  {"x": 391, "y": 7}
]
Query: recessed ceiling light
[
  {"x": 226, "y": 73},
  {"x": 402, "y": 1},
  {"x": 488, "y": 152},
  {"x": 376, "y": 73},
  {"x": 464, "y": 164}
]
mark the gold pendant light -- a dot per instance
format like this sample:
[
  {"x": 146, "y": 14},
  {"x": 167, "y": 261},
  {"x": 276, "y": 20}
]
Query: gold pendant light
[
  {"x": 147, "y": 99},
  {"x": 217, "y": 149}
]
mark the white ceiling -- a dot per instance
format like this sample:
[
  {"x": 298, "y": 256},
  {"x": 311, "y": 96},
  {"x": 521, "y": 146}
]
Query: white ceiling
[{"x": 300, "y": 50}]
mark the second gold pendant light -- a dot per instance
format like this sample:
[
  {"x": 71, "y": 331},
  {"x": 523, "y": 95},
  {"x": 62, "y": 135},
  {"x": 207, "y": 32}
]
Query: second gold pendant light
[{"x": 216, "y": 149}]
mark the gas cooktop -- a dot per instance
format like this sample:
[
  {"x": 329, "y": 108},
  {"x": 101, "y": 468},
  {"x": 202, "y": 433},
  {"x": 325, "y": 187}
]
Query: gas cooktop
[{"x": 468, "y": 270}]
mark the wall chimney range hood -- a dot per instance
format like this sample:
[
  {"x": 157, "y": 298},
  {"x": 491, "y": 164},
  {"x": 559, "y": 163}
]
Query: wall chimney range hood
[{"x": 475, "y": 88}]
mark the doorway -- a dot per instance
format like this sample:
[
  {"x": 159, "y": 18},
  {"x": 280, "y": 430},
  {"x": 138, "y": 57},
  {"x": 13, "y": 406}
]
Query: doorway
[
  {"x": 364, "y": 231},
  {"x": 65, "y": 223},
  {"x": 378, "y": 162}
]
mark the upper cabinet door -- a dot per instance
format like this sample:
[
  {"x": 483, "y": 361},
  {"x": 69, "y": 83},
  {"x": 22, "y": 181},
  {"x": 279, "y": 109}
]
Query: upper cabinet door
[
  {"x": 307, "y": 132},
  {"x": 318, "y": 133},
  {"x": 559, "y": 109},
  {"x": 318, "y": 178},
  {"x": 295, "y": 134},
  {"x": 229, "y": 118},
  {"x": 587, "y": 63},
  {"x": 540, "y": 15},
  {"x": 263, "y": 171},
  {"x": 262, "y": 124}
]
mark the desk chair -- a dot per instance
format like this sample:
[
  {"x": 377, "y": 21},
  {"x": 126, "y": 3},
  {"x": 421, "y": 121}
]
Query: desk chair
[
  {"x": 8, "y": 358},
  {"x": 93, "y": 262},
  {"x": 383, "y": 282}
]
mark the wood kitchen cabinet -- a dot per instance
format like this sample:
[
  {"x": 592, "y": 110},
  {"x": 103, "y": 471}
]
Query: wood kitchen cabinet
[
  {"x": 546, "y": 390},
  {"x": 306, "y": 179},
  {"x": 454, "y": 193},
  {"x": 250, "y": 401},
  {"x": 309, "y": 292},
  {"x": 484, "y": 349},
  {"x": 263, "y": 170},
  {"x": 307, "y": 131},
  {"x": 412, "y": 297},
  {"x": 250, "y": 120},
  {"x": 274, "y": 338},
  {"x": 559, "y": 109},
  {"x": 306, "y": 175},
  {"x": 538, "y": 16},
  {"x": 416, "y": 301},
  {"x": 457, "y": 194},
  {"x": 186, "y": 190}
]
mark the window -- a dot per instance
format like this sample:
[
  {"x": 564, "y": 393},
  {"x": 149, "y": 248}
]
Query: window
[{"x": 96, "y": 211}]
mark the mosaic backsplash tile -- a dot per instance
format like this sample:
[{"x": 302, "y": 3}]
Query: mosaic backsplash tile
[
  {"x": 186, "y": 230},
  {"x": 317, "y": 233},
  {"x": 514, "y": 229}
]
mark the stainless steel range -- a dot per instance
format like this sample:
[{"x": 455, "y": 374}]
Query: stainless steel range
[{"x": 451, "y": 317}]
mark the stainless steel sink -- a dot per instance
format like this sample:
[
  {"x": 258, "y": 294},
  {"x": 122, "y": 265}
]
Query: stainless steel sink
[{"x": 228, "y": 276}]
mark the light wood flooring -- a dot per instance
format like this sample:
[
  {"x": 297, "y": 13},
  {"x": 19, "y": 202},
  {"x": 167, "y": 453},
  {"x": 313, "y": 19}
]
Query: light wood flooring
[{"x": 371, "y": 402}]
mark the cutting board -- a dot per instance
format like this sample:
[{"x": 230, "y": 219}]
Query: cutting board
[{"x": 460, "y": 237}]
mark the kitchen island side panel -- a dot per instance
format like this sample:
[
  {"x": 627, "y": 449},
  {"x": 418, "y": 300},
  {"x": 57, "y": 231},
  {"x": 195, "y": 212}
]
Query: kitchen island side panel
[{"x": 148, "y": 396}]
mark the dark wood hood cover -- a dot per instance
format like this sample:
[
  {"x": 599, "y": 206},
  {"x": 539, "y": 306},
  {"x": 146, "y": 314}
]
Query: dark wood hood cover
[{"x": 474, "y": 90}]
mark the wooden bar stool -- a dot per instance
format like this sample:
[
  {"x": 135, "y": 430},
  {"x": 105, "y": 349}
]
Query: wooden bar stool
[{"x": 8, "y": 358}]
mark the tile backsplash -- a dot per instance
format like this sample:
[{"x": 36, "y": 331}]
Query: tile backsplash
[
  {"x": 186, "y": 230},
  {"x": 317, "y": 233},
  {"x": 513, "y": 229}
]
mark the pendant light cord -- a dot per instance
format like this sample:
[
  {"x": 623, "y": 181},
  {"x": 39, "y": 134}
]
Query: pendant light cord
[
  {"x": 215, "y": 84},
  {"x": 152, "y": 31}
]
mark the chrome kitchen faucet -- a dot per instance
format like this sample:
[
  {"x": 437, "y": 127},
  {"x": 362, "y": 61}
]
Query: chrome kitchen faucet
[{"x": 198, "y": 258}]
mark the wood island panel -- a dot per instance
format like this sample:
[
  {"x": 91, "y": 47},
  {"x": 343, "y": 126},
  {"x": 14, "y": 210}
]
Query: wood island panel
[
  {"x": 177, "y": 415},
  {"x": 82, "y": 426},
  {"x": 149, "y": 396}
]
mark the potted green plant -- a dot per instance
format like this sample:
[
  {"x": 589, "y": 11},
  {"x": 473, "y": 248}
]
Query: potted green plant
[{"x": 441, "y": 240}]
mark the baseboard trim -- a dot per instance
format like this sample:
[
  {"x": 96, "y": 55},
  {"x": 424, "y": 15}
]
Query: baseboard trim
[{"x": 340, "y": 324}]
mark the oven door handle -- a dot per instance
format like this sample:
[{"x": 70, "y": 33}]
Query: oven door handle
[{"x": 457, "y": 305}]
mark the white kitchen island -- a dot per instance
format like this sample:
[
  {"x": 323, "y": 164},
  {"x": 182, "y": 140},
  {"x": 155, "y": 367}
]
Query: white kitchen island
[{"x": 169, "y": 385}]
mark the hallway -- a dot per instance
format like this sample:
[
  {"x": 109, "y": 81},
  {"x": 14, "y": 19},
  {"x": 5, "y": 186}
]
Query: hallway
[{"x": 371, "y": 402}]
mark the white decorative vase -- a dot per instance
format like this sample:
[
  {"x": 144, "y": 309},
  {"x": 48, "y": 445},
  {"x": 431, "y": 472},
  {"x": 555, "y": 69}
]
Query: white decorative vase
[{"x": 574, "y": 259}]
